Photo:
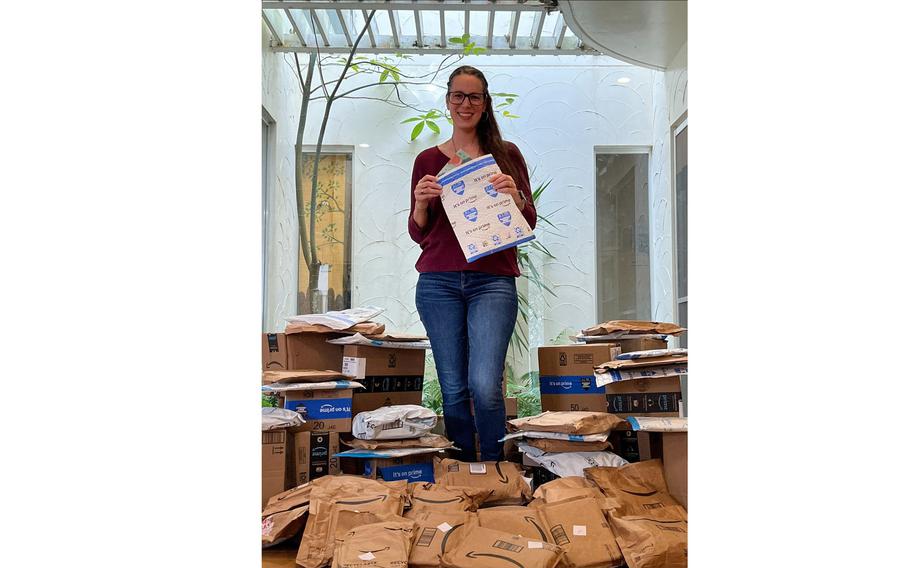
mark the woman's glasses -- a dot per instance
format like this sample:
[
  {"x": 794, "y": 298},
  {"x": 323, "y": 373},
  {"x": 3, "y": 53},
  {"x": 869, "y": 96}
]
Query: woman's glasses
[{"x": 457, "y": 97}]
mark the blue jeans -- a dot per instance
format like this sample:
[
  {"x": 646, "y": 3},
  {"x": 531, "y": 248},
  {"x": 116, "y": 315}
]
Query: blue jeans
[{"x": 469, "y": 318}]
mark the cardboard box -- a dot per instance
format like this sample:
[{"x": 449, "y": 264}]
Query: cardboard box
[
  {"x": 412, "y": 473},
  {"x": 314, "y": 455},
  {"x": 645, "y": 397},
  {"x": 574, "y": 360},
  {"x": 639, "y": 344},
  {"x": 672, "y": 448},
  {"x": 511, "y": 404},
  {"x": 360, "y": 361},
  {"x": 387, "y": 391},
  {"x": 511, "y": 407},
  {"x": 373, "y": 467},
  {"x": 310, "y": 351},
  {"x": 274, "y": 352},
  {"x": 567, "y": 376},
  {"x": 578, "y": 392},
  {"x": 274, "y": 463},
  {"x": 323, "y": 410},
  {"x": 676, "y": 464}
]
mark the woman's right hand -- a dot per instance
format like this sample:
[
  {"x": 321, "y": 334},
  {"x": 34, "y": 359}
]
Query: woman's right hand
[{"x": 427, "y": 188}]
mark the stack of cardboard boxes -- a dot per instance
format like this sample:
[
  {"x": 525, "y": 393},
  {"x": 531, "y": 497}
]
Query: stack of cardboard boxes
[
  {"x": 390, "y": 376},
  {"x": 567, "y": 382}
]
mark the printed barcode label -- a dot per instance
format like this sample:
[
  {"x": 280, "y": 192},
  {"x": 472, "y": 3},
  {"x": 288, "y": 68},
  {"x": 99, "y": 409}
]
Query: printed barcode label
[
  {"x": 391, "y": 425},
  {"x": 652, "y": 505},
  {"x": 426, "y": 537},
  {"x": 353, "y": 367},
  {"x": 535, "y": 544},
  {"x": 367, "y": 556},
  {"x": 559, "y": 535},
  {"x": 580, "y": 530},
  {"x": 273, "y": 437},
  {"x": 445, "y": 527},
  {"x": 507, "y": 546},
  {"x": 478, "y": 467},
  {"x": 673, "y": 529}
]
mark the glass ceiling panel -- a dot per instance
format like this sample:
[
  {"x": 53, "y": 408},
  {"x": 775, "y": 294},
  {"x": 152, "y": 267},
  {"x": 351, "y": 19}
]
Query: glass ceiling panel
[
  {"x": 431, "y": 23},
  {"x": 479, "y": 27},
  {"x": 454, "y": 24}
]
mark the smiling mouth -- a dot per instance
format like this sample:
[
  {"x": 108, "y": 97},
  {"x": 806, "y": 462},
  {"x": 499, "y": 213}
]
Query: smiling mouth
[{"x": 465, "y": 115}]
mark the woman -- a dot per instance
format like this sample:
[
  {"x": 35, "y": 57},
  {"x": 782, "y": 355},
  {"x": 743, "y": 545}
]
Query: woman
[{"x": 468, "y": 309}]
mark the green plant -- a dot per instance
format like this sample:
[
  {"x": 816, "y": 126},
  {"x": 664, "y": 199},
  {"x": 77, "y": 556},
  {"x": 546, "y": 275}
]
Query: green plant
[
  {"x": 529, "y": 269},
  {"x": 269, "y": 400}
]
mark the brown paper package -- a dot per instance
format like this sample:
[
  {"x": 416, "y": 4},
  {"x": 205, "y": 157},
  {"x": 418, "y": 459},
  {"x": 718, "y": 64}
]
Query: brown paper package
[
  {"x": 652, "y": 541},
  {"x": 433, "y": 497},
  {"x": 377, "y": 545},
  {"x": 580, "y": 528},
  {"x": 432, "y": 539},
  {"x": 505, "y": 479},
  {"x": 568, "y": 422},
  {"x": 635, "y": 488},
  {"x": 488, "y": 548}
]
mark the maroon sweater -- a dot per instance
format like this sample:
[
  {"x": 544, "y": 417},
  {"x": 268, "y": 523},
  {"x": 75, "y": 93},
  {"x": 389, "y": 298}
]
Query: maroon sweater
[{"x": 440, "y": 249}]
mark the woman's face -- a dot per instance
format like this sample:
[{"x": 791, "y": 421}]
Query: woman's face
[{"x": 466, "y": 115}]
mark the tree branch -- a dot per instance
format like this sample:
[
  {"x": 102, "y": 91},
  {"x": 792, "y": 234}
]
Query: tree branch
[{"x": 325, "y": 119}]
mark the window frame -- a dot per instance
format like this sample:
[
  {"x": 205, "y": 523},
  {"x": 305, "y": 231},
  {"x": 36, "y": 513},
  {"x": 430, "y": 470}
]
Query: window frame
[
  {"x": 338, "y": 150},
  {"x": 619, "y": 149}
]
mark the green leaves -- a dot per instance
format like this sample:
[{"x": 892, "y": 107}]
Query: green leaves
[
  {"x": 508, "y": 114},
  {"x": 427, "y": 120},
  {"x": 417, "y": 130},
  {"x": 470, "y": 47}
]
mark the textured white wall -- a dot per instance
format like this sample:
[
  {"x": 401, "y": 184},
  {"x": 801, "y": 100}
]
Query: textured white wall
[
  {"x": 678, "y": 84},
  {"x": 567, "y": 105},
  {"x": 281, "y": 99},
  {"x": 661, "y": 223}
]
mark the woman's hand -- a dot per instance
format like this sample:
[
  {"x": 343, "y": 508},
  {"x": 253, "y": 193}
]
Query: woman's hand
[
  {"x": 427, "y": 188},
  {"x": 503, "y": 183}
]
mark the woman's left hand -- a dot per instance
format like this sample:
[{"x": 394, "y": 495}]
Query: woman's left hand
[{"x": 503, "y": 183}]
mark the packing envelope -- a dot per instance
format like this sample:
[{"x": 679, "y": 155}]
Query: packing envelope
[{"x": 484, "y": 221}]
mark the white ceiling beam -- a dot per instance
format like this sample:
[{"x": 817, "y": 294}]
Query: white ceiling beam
[
  {"x": 294, "y": 25},
  {"x": 500, "y": 47},
  {"x": 275, "y": 35},
  {"x": 344, "y": 28},
  {"x": 442, "y": 29},
  {"x": 537, "y": 28},
  {"x": 393, "y": 19},
  {"x": 370, "y": 27},
  {"x": 316, "y": 24},
  {"x": 419, "y": 25},
  {"x": 448, "y": 5},
  {"x": 561, "y": 27},
  {"x": 515, "y": 17},
  {"x": 490, "y": 31}
]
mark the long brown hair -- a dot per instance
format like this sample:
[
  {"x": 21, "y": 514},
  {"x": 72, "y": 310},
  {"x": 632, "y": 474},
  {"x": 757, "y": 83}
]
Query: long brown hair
[{"x": 488, "y": 135}]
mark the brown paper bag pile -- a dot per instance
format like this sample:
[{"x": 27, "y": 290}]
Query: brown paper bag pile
[
  {"x": 482, "y": 547},
  {"x": 568, "y": 488},
  {"x": 522, "y": 521},
  {"x": 437, "y": 531},
  {"x": 653, "y": 541},
  {"x": 282, "y": 526},
  {"x": 567, "y": 422},
  {"x": 504, "y": 479},
  {"x": 367, "y": 327},
  {"x": 651, "y": 527},
  {"x": 548, "y": 445},
  {"x": 377, "y": 545},
  {"x": 634, "y": 327},
  {"x": 425, "y": 441},
  {"x": 579, "y": 527},
  {"x": 333, "y": 495},
  {"x": 634, "y": 488},
  {"x": 434, "y": 497}
]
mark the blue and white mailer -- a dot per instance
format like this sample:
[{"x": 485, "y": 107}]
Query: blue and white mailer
[{"x": 484, "y": 220}]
